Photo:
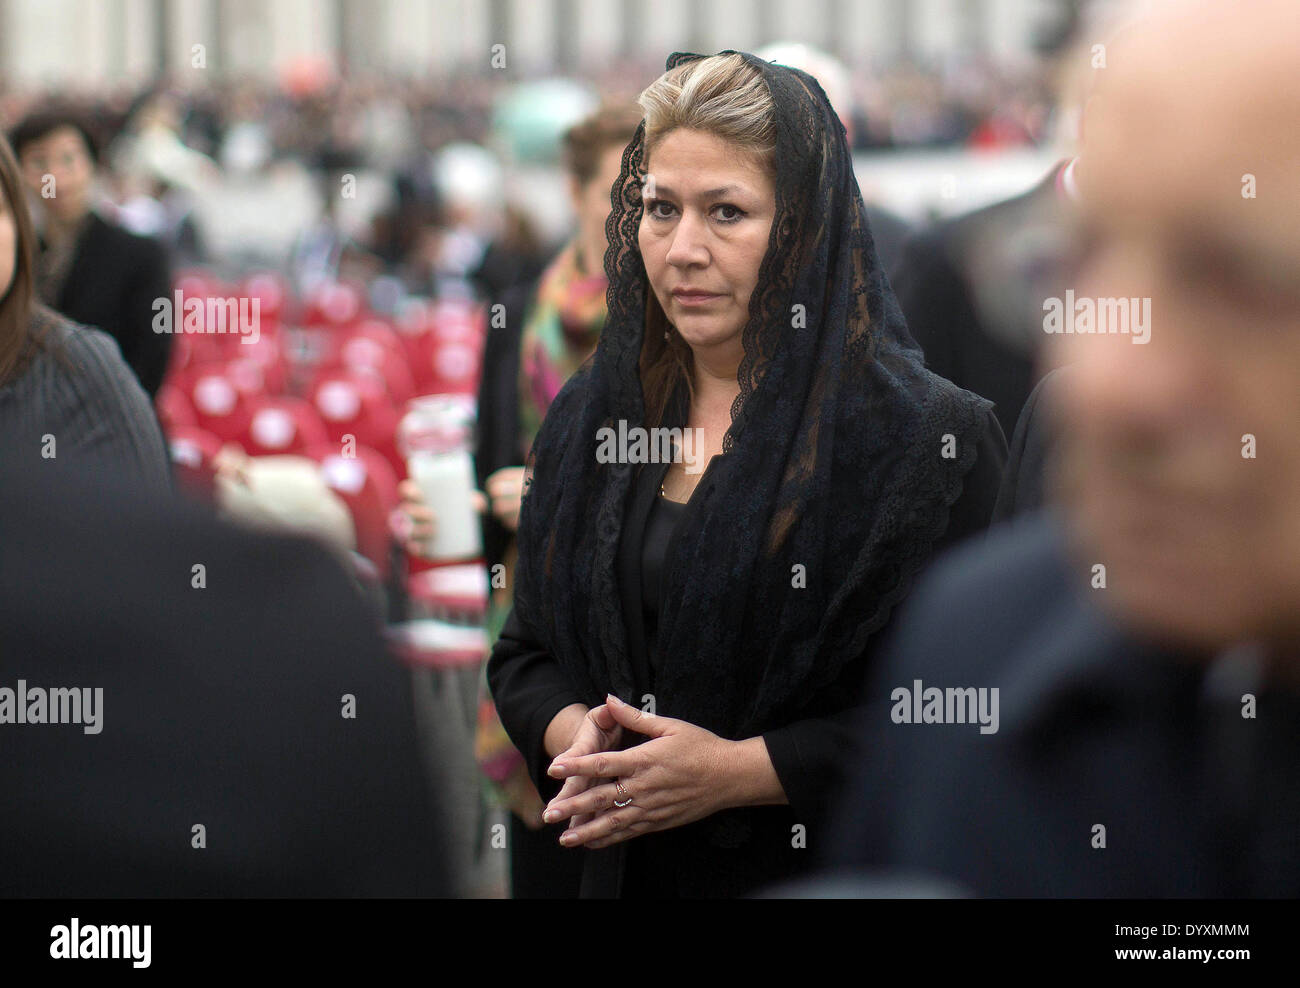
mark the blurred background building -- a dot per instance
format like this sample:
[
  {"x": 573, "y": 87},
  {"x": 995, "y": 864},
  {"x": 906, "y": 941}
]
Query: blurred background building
[{"x": 92, "y": 42}]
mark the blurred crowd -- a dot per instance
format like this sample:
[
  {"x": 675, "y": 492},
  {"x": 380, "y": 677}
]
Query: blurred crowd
[{"x": 164, "y": 145}]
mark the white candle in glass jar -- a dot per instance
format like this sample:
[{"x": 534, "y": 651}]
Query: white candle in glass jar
[{"x": 447, "y": 482}]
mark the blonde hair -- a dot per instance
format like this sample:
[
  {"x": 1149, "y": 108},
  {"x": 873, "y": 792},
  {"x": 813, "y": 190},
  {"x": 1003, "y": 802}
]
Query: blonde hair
[{"x": 721, "y": 95}]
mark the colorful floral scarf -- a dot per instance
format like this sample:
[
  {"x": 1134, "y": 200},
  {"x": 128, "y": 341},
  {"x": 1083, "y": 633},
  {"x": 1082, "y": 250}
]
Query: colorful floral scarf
[{"x": 559, "y": 333}]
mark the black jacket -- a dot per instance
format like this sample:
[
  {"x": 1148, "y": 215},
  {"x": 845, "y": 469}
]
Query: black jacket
[
  {"x": 112, "y": 283},
  {"x": 736, "y": 851},
  {"x": 497, "y": 437},
  {"x": 1095, "y": 730},
  {"x": 972, "y": 288}
]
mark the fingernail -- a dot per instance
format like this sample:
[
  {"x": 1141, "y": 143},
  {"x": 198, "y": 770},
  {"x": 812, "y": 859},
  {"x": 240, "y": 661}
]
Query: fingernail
[
  {"x": 550, "y": 816},
  {"x": 568, "y": 837},
  {"x": 556, "y": 770},
  {"x": 617, "y": 701}
]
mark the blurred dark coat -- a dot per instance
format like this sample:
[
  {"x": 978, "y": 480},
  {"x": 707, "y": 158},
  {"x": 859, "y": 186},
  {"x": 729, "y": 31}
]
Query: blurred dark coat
[
  {"x": 1025, "y": 482},
  {"x": 1096, "y": 730},
  {"x": 972, "y": 290},
  {"x": 222, "y": 706},
  {"x": 112, "y": 283}
]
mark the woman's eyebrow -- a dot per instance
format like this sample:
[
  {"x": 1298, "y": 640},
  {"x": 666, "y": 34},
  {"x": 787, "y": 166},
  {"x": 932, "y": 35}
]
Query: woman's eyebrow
[{"x": 706, "y": 194}]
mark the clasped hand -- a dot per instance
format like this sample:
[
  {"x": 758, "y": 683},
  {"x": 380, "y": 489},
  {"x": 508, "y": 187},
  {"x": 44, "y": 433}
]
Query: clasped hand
[{"x": 680, "y": 775}]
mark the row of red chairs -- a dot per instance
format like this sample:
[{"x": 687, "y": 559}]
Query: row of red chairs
[
  {"x": 343, "y": 406},
  {"x": 333, "y": 303},
  {"x": 443, "y": 357},
  {"x": 327, "y": 380},
  {"x": 351, "y": 375}
]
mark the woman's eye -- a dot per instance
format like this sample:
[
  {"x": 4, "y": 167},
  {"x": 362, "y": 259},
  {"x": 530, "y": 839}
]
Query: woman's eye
[
  {"x": 654, "y": 209},
  {"x": 736, "y": 213}
]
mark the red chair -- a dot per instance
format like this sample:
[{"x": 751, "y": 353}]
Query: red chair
[
  {"x": 457, "y": 593},
  {"x": 454, "y": 368},
  {"x": 257, "y": 370},
  {"x": 281, "y": 426},
  {"x": 219, "y": 406},
  {"x": 334, "y": 304},
  {"x": 444, "y": 342},
  {"x": 355, "y": 402},
  {"x": 413, "y": 322},
  {"x": 367, "y": 486},
  {"x": 191, "y": 350},
  {"x": 432, "y": 644},
  {"x": 374, "y": 344},
  {"x": 275, "y": 302},
  {"x": 459, "y": 321}
]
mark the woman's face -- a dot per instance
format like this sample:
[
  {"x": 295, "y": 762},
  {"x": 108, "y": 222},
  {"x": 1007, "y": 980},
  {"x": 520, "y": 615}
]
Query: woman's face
[
  {"x": 8, "y": 244},
  {"x": 704, "y": 232}
]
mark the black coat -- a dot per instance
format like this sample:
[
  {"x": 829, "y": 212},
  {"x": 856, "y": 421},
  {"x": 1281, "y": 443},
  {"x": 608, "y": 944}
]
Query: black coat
[
  {"x": 497, "y": 439},
  {"x": 1095, "y": 730},
  {"x": 222, "y": 706},
  {"x": 737, "y": 851},
  {"x": 972, "y": 288},
  {"x": 112, "y": 283}
]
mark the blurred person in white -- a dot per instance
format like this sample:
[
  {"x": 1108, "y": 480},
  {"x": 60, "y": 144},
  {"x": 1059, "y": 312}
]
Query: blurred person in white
[
  {"x": 470, "y": 181},
  {"x": 1146, "y": 641},
  {"x": 161, "y": 180},
  {"x": 67, "y": 398}
]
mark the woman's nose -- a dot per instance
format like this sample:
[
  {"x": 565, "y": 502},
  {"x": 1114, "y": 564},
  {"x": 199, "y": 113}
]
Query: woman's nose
[{"x": 688, "y": 246}]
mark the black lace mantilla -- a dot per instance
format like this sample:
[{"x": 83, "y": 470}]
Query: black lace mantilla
[{"x": 843, "y": 457}]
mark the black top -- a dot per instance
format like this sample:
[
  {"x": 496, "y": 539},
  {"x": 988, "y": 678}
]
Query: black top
[{"x": 660, "y": 527}]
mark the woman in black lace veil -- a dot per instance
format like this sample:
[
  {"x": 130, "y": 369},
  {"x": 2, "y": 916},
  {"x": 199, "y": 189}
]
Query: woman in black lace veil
[{"x": 744, "y": 615}]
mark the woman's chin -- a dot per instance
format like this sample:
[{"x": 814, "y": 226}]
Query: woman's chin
[{"x": 702, "y": 331}]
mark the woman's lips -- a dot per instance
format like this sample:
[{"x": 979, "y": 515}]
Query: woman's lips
[{"x": 694, "y": 298}]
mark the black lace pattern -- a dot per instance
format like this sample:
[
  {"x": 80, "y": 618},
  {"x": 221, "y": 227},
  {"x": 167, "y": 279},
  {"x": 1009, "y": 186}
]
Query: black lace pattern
[{"x": 843, "y": 458}]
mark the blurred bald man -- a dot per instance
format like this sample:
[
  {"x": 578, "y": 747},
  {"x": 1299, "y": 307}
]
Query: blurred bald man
[{"x": 1139, "y": 649}]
